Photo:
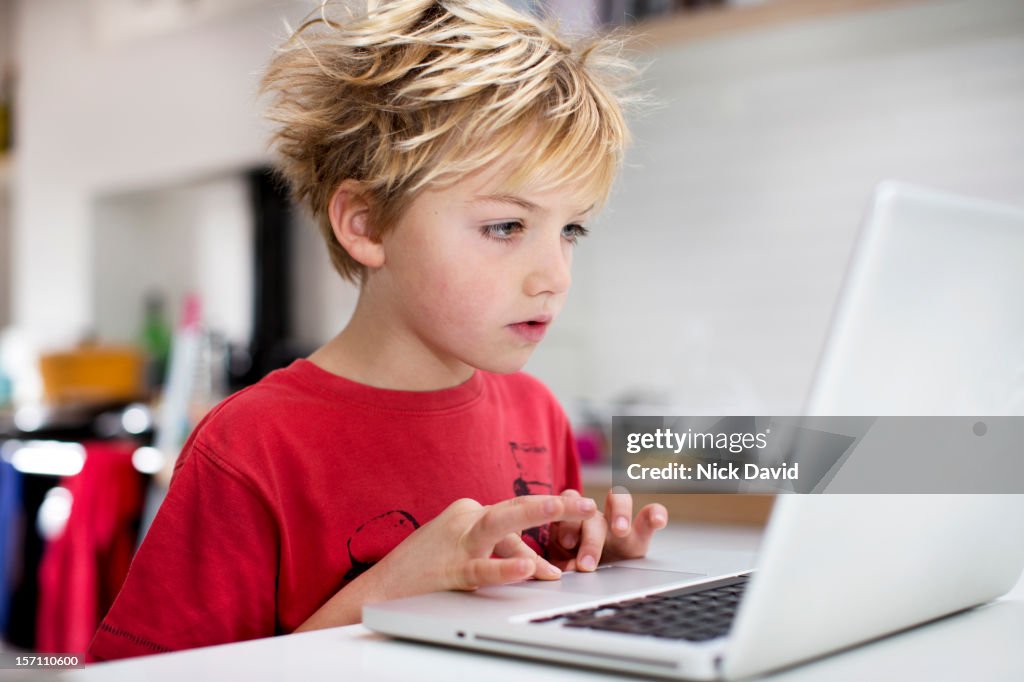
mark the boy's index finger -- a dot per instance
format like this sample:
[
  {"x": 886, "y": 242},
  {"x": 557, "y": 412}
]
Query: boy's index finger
[{"x": 520, "y": 513}]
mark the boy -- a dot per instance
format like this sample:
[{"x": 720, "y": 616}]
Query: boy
[{"x": 450, "y": 152}]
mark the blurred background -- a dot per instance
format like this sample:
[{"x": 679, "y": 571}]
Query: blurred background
[{"x": 149, "y": 265}]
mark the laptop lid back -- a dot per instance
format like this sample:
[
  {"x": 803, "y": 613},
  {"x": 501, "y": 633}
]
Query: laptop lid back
[
  {"x": 837, "y": 570},
  {"x": 930, "y": 322}
]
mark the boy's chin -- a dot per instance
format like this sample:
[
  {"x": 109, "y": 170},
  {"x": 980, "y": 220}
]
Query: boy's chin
[{"x": 506, "y": 365}]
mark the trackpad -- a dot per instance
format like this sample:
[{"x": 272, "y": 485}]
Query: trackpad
[{"x": 611, "y": 580}]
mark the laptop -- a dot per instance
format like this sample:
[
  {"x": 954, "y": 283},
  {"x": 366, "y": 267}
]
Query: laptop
[{"x": 932, "y": 275}]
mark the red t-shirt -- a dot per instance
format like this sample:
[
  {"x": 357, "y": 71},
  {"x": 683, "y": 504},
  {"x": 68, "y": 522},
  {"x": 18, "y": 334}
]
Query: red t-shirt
[{"x": 292, "y": 487}]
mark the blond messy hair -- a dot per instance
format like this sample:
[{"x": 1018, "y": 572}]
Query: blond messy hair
[{"x": 406, "y": 95}]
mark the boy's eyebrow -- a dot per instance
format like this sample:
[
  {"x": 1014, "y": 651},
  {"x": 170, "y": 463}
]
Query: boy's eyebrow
[{"x": 519, "y": 201}]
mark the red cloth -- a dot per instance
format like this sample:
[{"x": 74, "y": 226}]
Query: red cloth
[
  {"x": 83, "y": 568},
  {"x": 294, "y": 486}
]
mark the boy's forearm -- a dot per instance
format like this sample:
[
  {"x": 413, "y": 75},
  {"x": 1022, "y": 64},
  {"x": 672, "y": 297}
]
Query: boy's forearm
[{"x": 346, "y": 606}]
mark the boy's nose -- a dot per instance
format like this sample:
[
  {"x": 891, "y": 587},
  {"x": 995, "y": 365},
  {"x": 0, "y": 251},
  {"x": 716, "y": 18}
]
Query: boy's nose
[{"x": 550, "y": 269}]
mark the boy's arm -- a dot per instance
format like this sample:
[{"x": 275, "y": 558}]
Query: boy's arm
[
  {"x": 346, "y": 606},
  {"x": 205, "y": 573},
  {"x": 465, "y": 547}
]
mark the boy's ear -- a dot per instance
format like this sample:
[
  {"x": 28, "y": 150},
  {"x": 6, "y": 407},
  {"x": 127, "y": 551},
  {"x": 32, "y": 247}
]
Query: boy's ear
[{"x": 349, "y": 213}]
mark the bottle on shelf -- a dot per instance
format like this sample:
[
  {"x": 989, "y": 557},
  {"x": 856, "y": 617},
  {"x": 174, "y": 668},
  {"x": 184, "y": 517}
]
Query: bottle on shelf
[{"x": 155, "y": 339}]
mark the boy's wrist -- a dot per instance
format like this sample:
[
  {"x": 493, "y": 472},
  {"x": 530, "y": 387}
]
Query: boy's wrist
[
  {"x": 373, "y": 584},
  {"x": 346, "y": 606}
]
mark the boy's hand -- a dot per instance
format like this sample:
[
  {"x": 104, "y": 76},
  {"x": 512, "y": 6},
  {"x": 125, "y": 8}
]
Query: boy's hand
[
  {"x": 465, "y": 547},
  {"x": 469, "y": 545},
  {"x": 580, "y": 545}
]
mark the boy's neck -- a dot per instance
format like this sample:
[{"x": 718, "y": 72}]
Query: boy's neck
[{"x": 373, "y": 350}]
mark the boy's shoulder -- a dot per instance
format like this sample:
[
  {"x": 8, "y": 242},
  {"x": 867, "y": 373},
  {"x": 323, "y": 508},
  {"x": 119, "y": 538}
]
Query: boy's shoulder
[
  {"x": 293, "y": 395},
  {"x": 305, "y": 387},
  {"x": 268, "y": 400},
  {"x": 254, "y": 416},
  {"x": 263, "y": 422}
]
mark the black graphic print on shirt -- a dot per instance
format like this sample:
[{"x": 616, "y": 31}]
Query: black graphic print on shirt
[
  {"x": 377, "y": 537},
  {"x": 528, "y": 459}
]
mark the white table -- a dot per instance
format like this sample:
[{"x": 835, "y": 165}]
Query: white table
[{"x": 986, "y": 643}]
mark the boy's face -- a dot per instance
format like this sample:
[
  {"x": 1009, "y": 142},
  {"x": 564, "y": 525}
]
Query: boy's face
[{"x": 471, "y": 279}]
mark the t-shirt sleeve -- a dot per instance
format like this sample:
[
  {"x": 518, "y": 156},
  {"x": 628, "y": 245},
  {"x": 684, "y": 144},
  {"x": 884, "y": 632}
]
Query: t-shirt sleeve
[{"x": 206, "y": 571}]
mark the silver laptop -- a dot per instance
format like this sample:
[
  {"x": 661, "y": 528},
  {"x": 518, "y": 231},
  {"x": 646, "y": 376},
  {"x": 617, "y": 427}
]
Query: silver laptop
[{"x": 935, "y": 282}]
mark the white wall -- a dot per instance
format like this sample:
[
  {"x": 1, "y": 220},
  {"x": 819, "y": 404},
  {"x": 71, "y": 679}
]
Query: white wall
[
  {"x": 96, "y": 120},
  {"x": 713, "y": 272},
  {"x": 323, "y": 301},
  {"x": 190, "y": 238}
]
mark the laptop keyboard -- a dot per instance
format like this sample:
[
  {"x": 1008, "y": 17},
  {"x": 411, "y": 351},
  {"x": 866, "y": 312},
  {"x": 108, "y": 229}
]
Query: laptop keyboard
[{"x": 696, "y": 613}]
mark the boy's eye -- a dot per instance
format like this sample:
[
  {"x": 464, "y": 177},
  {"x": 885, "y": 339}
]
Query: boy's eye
[
  {"x": 501, "y": 231},
  {"x": 572, "y": 233},
  {"x": 504, "y": 232}
]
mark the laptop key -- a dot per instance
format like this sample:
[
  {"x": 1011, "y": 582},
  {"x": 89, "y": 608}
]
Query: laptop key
[{"x": 695, "y": 614}]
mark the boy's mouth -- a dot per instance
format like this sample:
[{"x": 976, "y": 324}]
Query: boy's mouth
[{"x": 533, "y": 329}]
